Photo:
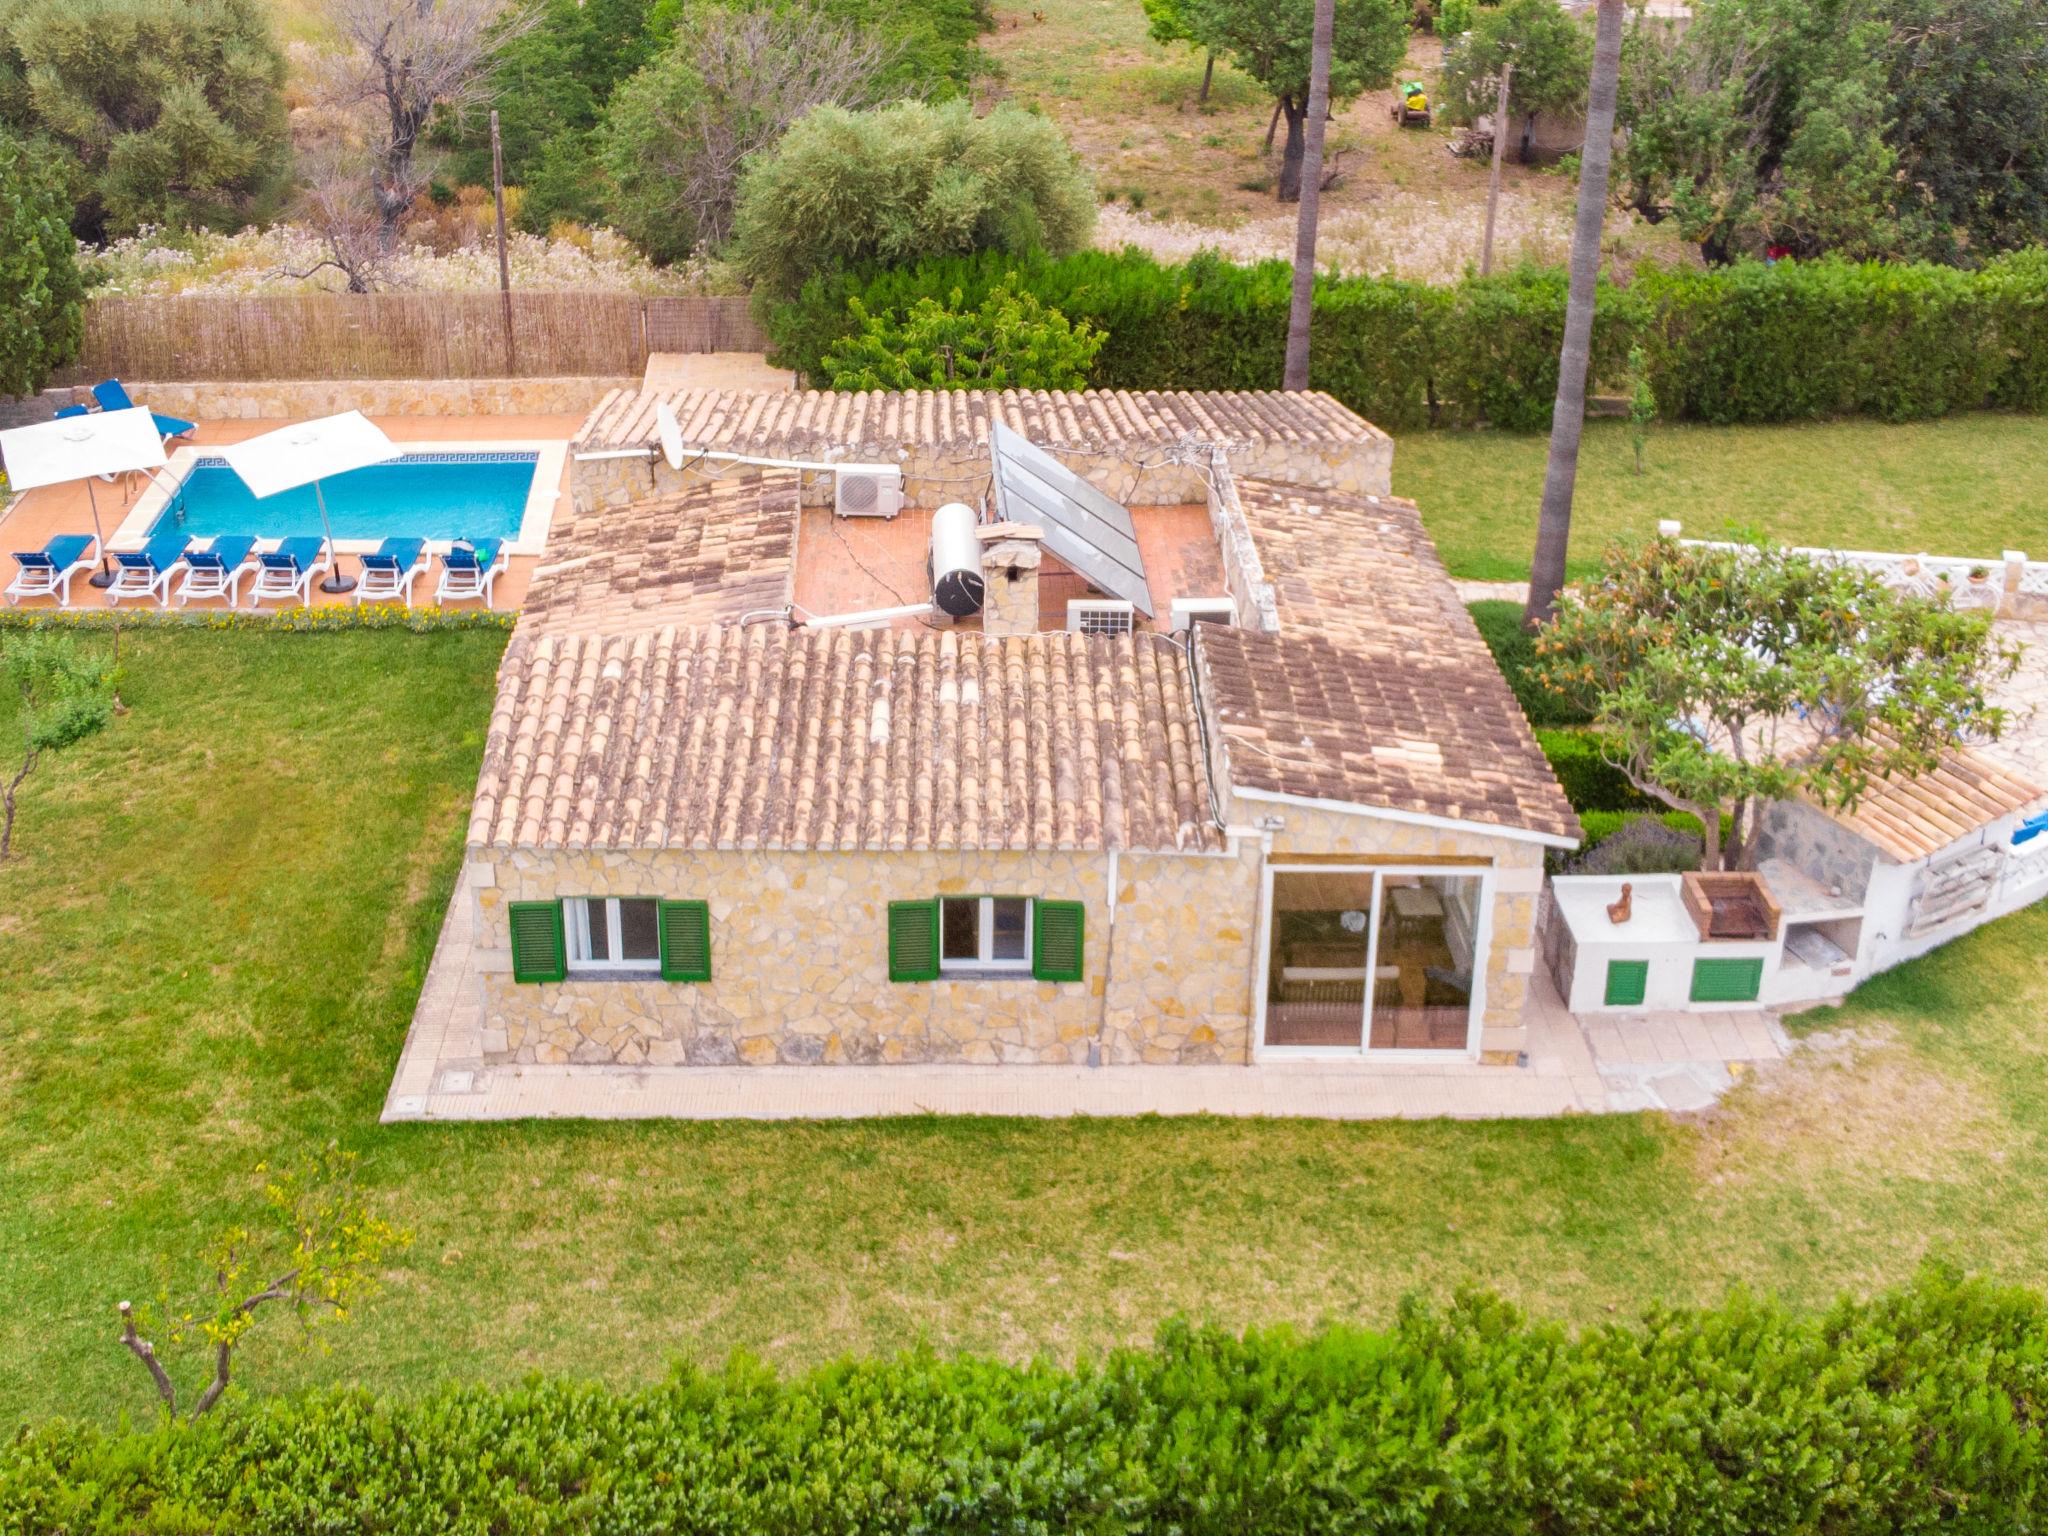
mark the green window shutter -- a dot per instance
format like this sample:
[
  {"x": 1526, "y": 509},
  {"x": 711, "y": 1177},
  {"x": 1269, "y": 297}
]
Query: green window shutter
[
  {"x": 1056, "y": 932},
  {"x": 540, "y": 951},
  {"x": 1727, "y": 981},
  {"x": 1627, "y": 983},
  {"x": 913, "y": 940},
  {"x": 685, "y": 940}
]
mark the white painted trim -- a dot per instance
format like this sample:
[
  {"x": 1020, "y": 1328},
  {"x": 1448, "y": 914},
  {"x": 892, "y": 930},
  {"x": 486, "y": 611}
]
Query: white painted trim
[
  {"x": 597, "y": 455},
  {"x": 534, "y": 523},
  {"x": 1410, "y": 818}
]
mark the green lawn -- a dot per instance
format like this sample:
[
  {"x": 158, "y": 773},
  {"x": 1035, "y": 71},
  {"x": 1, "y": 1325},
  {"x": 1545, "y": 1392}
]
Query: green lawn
[
  {"x": 208, "y": 954},
  {"x": 1968, "y": 485}
]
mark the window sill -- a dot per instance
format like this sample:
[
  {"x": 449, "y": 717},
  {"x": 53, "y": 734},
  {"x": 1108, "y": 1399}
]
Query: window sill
[
  {"x": 621, "y": 973},
  {"x": 986, "y": 973}
]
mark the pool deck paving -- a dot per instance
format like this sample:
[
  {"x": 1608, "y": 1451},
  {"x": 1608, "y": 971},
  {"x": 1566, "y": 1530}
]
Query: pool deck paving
[{"x": 40, "y": 515}]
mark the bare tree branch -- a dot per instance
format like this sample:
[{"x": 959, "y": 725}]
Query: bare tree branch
[{"x": 144, "y": 1351}]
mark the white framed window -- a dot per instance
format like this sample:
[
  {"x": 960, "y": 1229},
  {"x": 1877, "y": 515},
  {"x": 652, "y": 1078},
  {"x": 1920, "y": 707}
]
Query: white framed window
[
  {"x": 984, "y": 933},
  {"x": 1100, "y": 616},
  {"x": 613, "y": 933}
]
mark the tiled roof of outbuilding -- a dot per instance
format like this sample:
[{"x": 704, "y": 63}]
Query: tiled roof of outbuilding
[
  {"x": 1378, "y": 690},
  {"x": 709, "y": 554},
  {"x": 1911, "y": 818},
  {"x": 811, "y": 422},
  {"x": 769, "y": 737}
]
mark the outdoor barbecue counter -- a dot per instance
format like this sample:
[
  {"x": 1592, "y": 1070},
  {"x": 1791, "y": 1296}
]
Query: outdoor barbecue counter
[{"x": 1657, "y": 960}]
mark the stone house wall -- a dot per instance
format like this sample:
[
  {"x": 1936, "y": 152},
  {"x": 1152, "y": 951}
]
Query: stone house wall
[
  {"x": 800, "y": 961},
  {"x": 800, "y": 952},
  {"x": 934, "y": 476}
]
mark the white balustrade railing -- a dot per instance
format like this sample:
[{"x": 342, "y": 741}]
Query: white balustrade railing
[{"x": 1966, "y": 582}]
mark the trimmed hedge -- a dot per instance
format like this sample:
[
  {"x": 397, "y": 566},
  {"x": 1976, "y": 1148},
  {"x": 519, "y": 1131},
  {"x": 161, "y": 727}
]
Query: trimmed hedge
[
  {"x": 1914, "y": 1411},
  {"x": 1514, "y": 652},
  {"x": 1746, "y": 343},
  {"x": 1589, "y": 781}
]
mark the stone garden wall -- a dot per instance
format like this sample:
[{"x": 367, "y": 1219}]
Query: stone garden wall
[
  {"x": 799, "y": 962},
  {"x": 933, "y": 477},
  {"x": 290, "y": 399}
]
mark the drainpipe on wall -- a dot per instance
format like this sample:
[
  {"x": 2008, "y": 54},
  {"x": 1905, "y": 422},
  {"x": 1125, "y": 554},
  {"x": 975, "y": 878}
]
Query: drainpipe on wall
[{"x": 1108, "y": 970}]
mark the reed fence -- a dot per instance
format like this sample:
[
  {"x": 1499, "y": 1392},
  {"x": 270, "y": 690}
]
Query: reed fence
[{"x": 205, "y": 337}]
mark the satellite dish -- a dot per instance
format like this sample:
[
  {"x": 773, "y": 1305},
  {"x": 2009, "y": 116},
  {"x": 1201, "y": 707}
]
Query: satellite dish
[{"x": 671, "y": 434}]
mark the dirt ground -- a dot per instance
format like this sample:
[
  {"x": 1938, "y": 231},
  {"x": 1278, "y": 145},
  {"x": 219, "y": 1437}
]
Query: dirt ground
[{"x": 1177, "y": 174}]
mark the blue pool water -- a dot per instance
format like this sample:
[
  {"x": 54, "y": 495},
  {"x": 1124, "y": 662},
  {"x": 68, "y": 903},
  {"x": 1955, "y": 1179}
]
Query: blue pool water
[{"x": 422, "y": 496}]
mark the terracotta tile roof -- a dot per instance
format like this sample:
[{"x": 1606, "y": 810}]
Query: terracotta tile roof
[
  {"x": 769, "y": 737},
  {"x": 1377, "y": 690},
  {"x": 1910, "y": 818},
  {"x": 806, "y": 423},
  {"x": 709, "y": 554}
]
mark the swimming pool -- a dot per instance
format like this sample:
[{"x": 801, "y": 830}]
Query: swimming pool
[{"x": 436, "y": 496}]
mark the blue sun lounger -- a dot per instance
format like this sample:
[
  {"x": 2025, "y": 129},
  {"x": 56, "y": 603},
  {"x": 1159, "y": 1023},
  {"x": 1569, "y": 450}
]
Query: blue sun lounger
[
  {"x": 113, "y": 396},
  {"x": 217, "y": 571},
  {"x": 47, "y": 572},
  {"x": 147, "y": 572},
  {"x": 468, "y": 570},
  {"x": 288, "y": 570},
  {"x": 390, "y": 570}
]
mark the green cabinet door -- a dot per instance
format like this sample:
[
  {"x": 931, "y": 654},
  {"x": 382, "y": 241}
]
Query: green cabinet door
[
  {"x": 1627, "y": 982},
  {"x": 1727, "y": 981}
]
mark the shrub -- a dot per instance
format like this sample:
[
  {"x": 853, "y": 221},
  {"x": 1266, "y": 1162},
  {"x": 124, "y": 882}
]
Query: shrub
[
  {"x": 1799, "y": 340},
  {"x": 40, "y": 287},
  {"x": 1590, "y": 782},
  {"x": 1638, "y": 845},
  {"x": 905, "y": 183},
  {"x": 1915, "y": 1410},
  {"x": 1010, "y": 341}
]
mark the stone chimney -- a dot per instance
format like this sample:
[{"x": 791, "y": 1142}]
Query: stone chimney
[{"x": 1009, "y": 568}]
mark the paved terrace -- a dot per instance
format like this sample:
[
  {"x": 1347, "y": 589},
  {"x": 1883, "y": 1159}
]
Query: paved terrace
[{"x": 40, "y": 515}]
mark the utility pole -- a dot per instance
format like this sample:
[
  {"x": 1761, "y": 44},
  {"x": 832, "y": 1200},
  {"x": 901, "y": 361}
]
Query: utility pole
[
  {"x": 504, "y": 265},
  {"x": 1500, "y": 133}
]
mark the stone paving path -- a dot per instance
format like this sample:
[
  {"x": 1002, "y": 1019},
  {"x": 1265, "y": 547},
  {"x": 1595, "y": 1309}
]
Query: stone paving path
[
  {"x": 2024, "y": 747},
  {"x": 1679, "y": 1062}
]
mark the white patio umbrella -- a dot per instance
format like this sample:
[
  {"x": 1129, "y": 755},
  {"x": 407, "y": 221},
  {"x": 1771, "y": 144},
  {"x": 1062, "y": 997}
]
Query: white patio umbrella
[
  {"x": 305, "y": 454},
  {"x": 80, "y": 448}
]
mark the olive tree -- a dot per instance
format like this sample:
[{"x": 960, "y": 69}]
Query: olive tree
[
  {"x": 65, "y": 696},
  {"x": 315, "y": 1257},
  {"x": 166, "y": 112},
  {"x": 678, "y": 134},
  {"x": 1720, "y": 675},
  {"x": 905, "y": 182},
  {"x": 1273, "y": 41},
  {"x": 1552, "y": 55}
]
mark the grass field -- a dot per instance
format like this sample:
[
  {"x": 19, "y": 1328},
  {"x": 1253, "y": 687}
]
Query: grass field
[
  {"x": 209, "y": 951},
  {"x": 1969, "y": 485}
]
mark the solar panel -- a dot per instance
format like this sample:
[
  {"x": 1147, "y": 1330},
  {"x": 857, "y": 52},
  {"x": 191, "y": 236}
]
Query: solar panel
[{"x": 1084, "y": 528}]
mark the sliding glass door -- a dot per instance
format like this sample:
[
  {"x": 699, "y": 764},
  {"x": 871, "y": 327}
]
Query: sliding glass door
[{"x": 1372, "y": 959}]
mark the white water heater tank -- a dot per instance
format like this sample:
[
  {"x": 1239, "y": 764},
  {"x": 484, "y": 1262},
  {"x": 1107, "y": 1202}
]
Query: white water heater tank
[{"x": 956, "y": 561}]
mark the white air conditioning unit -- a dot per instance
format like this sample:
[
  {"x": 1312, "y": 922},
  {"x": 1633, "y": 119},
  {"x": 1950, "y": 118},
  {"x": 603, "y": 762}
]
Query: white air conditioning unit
[
  {"x": 867, "y": 490},
  {"x": 1190, "y": 611},
  {"x": 1100, "y": 616}
]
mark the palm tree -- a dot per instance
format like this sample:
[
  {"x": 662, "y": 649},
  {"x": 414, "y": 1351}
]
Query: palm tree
[
  {"x": 1320, "y": 44},
  {"x": 1568, "y": 418}
]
